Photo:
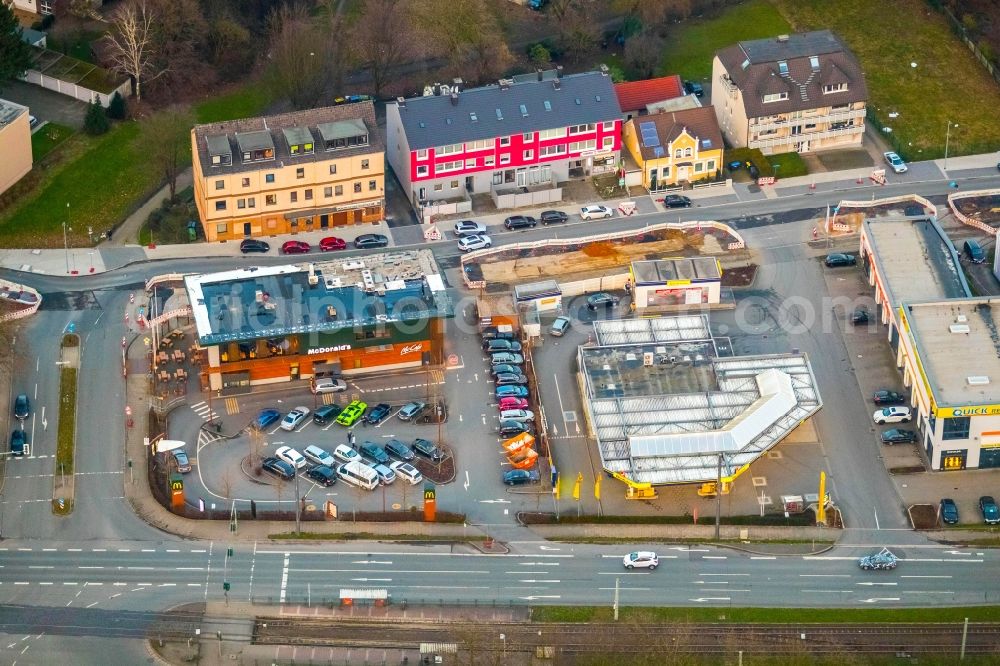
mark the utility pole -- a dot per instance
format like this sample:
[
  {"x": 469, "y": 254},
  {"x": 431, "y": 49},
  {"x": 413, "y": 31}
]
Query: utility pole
[
  {"x": 298, "y": 505},
  {"x": 965, "y": 633},
  {"x": 616, "y": 597},
  {"x": 718, "y": 495},
  {"x": 65, "y": 242}
]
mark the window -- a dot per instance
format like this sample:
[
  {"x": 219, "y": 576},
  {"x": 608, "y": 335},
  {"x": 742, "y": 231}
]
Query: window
[
  {"x": 449, "y": 150},
  {"x": 488, "y": 161},
  {"x": 608, "y": 142},
  {"x": 221, "y": 228},
  {"x": 711, "y": 165},
  {"x": 652, "y": 174},
  {"x": 956, "y": 428},
  {"x": 333, "y": 169},
  {"x": 225, "y": 160},
  {"x": 580, "y": 129},
  {"x": 528, "y": 137},
  {"x": 357, "y": 187},
  {"x": 422, "y": 154},
  {"x": 294, "y": 196},
  {"x": 485, "y": 144},
  {"x": 678, "y": 153},
  {"x": 270, "y": 199},
  {"x": 505, "y": 141},
  {"x": 252, "y": 202},
  {"x": 301, "y": 149},
  {"x": 609, "y": 125},
  {"x": 449, "y": 166},
  {"x": 364, "y": 164},
  {"x": 552, "y": 133},
  {"x": 783, "y": 68},
  {"x": 309, "y": 195},
  {"x": 220, "y": 184},
  {"x": 699, "y": 167},
  {"x": 454, "y": 184},
  {"x": 549, "y": 151},
  {"x": 300, "y": 172},
  {"x": 438, "y": 187},
  {"x": 327, "y": 192},
  {"x": 687, "y": 152},
  {"x": 372, "y": 185},
  {"x": 470, "y": 163},
  {"x": 840, "y": 108},
  {"x": 810, "y": 126},
  {"x": 505, "y": 158},
  {"x": 580, "y": 146},
  {"x": 666, "y": 172},
  {"x": 836, "y": 87},
  {"x": 220, "y": 205},
  {"x": 338, "y": 190},
  {"x": 529, "y": 154},
  {"x": 422, "y": 170},
  {"x": 775, "y": 97},
  {"x": 269, "y": 178},
  {"x": 246, "y": 182},
  {"x": 814, "y": 63},
  {"x": 347, "y": 142},
  {"x": 241, "y": 203}
]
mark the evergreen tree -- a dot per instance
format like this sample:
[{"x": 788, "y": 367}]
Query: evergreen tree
[
  {"x": 117, "y": 107},
  {"x": 96, "y": 121},
  {"x": 15, "y": 55}
]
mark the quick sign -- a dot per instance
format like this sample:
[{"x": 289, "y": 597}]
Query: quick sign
[
  {"x": 976, "y": 410},
  {"x": 327, "y": 350}
]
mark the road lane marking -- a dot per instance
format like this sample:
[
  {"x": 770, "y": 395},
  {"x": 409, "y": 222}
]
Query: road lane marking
[
  {"x": 74, "y": 550},
  {"x": 149, "y": 550},
  {"x": 763, "y": 557},
  {"x": 98, "y": 550},
  {"x": 925, "y": 576},
  {"x": 713, "y": 557},
  {"x": 124, "y": 550},
  {"x": 825, "y": 575},
  {"x": 202, "y": 550},
  {"x": 724, "y": 574},
  {"x": 631, "y": 589},
  {"x": 45, "y": 583},
  {"x": 421, "y": 571},
  {"x": 187, "y": 568},
  {"x": 208, "y": 573},
  {"x": 194, "y": 584},
  {"x": 927, "y": 592},
  {"x": 525, "y": 572},
  {"x": 89, "y": 567},
  {"x": 141, "y": 568},
  {"x": 41, "y": 566},
  {"x": 173, "y": 550},
  {"x": 284, "y": 579},
  {"x": 49, "y": 550}
]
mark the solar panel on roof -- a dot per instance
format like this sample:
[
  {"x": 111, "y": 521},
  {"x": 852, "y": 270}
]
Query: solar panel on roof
[
  {"x": 650, "y": 137},
  {"x": 548, "y": 105}
]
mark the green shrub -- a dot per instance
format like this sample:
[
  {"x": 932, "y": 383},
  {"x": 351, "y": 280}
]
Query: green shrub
[
  {"x": 117, "y": 108},
  {"x": 96, "y": 122}
]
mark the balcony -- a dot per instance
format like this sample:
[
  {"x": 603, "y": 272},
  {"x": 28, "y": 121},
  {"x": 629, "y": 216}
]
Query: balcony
[
  {"x": 788, "y": 138},
  {"x": 787, "y": 120}
]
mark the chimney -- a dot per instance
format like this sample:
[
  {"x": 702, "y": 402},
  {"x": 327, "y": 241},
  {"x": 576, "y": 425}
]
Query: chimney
[
  {"x": 538, "y": 71},
  {"x": 454, "y": 99},
  {"x": 456, "y": 84},
  {"x": 401, "y": 102},
  {"x": 604, "y": 70},
  {"x": 559, "y": 71}
]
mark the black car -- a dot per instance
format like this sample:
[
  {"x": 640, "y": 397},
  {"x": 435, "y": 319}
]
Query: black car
[
  {"x": 887, "y": 397},
  {"x": 860, "y": 316},
  {"x": 426, "y": 448},
  {"x": 949, "y": 511},
  {"x": 322, "y": 475},
  {"x": 988, "y": 507},
  {"x": 505, "y": 368},
  {"x": 366, "y": 241},
  {"x": 494, "y": 333},
  {"x": 899, "y": 436},
  {"x": 378, "y": 413},
  {"x": 374, "y": 452},
  {"x": 278, "y": 468},
  {"x": 513, "y": 428},
  {"x": 519, "y": 222},
  {"x": 676, "y": 201},
  {"x": 22, "y": 407},
  {"x": 18, "y": 443},
  {"x": 553, "y": 217},
  {"x": 517, "y": 477},
  {"x": 398, "y": 449},
  {"x": 600, "y": 300},
  {"x": 499, "y": 345},
  {"x": 694, "y": 88},
  {"x": 254, "y": 245},
  {"x": 840, "y": 259},
  {"x": 505, "y": 378}
]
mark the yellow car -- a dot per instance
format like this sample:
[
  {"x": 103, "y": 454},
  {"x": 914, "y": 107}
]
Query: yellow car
[{"x": 352, "y": 413}]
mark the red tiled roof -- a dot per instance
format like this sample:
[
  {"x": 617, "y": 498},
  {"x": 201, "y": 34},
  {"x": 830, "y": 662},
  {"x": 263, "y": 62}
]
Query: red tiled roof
[{"x": 635, "y": 95}]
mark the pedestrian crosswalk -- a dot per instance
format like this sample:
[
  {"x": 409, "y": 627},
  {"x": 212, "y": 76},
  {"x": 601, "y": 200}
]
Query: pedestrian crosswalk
[
  {"x": 204, "y": 411},
  {"x": 232, "y": 406},
  {"x": 205, "y": 437},
  {"x": 329, "y": 399}
]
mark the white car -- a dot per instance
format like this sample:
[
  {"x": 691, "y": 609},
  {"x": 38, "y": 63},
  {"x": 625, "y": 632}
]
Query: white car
[
  {"x": 294, "y": 418},
  {"x": 328, "y": 385},
  {"x": 520, "y": 415},
  {"x": 469, "y": 228},
  {"x": 474, "y": 242},
  {"x": 895, "y": 161},
  {"x": 407, "y": 471},
  {"x": 595, "y": 212},
  {"x": 346, "y": 453},
  {"x": 642, "y": 558},
  {"x": 318, "y": 456},
  {"x": 290, "y": 456},
  {"x": 892, "y": 415}
]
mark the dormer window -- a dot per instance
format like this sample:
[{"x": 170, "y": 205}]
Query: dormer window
[
  {"x": 256, "y": 146},
  {"x": 219, "y": 150},
  {"x": 775, "y": 97},
  {"x": 299, "y": 139},
  {"x": 835, "y": 88},
  {"x": 344, "y": 134}
]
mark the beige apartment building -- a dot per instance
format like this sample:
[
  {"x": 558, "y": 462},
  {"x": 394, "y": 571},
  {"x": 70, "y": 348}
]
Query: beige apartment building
[
  {"x": 289, "y": 173},
  {"x": 15, "y": 143},
  {"x": 793, "y": 93}
]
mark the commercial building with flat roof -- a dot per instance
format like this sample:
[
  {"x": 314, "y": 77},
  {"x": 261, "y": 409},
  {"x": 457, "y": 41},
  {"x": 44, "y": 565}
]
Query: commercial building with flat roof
[
  {"x": 675, "y": 281},
  {"x": 362, "y": 314},
  {"x": 15, "y": 143}
]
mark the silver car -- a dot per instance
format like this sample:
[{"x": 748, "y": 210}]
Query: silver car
[
  {"x": 474, "y": 242},
  {"x": 469, "y": 228}
]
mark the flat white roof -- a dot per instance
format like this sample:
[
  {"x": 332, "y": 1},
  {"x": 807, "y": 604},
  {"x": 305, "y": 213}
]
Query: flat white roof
[
  {"x": 196, "y": 283},
  {"x": 653, "y": 330}
]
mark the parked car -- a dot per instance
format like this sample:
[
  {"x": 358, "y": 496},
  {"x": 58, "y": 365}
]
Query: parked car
[
  {"x": 378, "y": 413},
  {"x": 278, "y": 468},
  {"x": 253, "y": 245},
  {"x": 508, "y": 358},
  {"x": 988, "y": 507},
  {"x": 374, "y": 452},
  {"x": 331, "y": 243},
  {"x": 511, "y": 402},
  {"x": 676, "y": 201},
  {"x": 899, "y": 436},
  {"x": 266, "y": 417},
  {"x": 32, "y": 121},
  {"x": 22, "y": 407},
  {"x": 949, "y": 511},
  {"x": 324, "y": 414},
  {"x": 596, "y": 212},
  {"x": 323, "y": 475},
  {"x": 18, "y": 443},
  {"x": 510, "y": 428},
  {"x": 505, "y": 378},
  {"x": 895, "y": 414},
  {"x": 385, "y": 474},
  {"x": 498, "y": 345},
  {"x": 517, "y": 477},
  {"x": 398, "y": 449},
  {"x": 427, "y": 449},
  {"x": 367, "y": 241},
  {"x": 560, "y": 326},
  {"x": 553, "y": 217},
  {"x": 517, "y": 415},
  {"x": 290, "y": 456},
  {"x": 600, "y": 300},
  {"x": 294, "y": 418},
  {"x": 352, "y": 413},
  {"x": 469, "y": 228},
  {"x": 407, "y": 472},
  {"x": 494, "y": 333},
  {"x": 294, "y": 247},
  {"x": 505, "y": 367},
  {"x": 519, "y": 222},
  {"x": 642, "y": 559},
  {"x": 411, "y": 410},
  {"x": 887, "y": 397},
  {"x": 860, "y": 316},
  {"x": 837, "y": 259},
  {"x": 346, "y": 453},
  {"x": 694, "y": 88},
  {"x": 474, "y": 242},
  {"x": 973, "y": 251},
  {"x": 895, "y": 162},
  {"x": 318, "y": 456},
  {"x": 328, "y": 385},
  {"x": 512, "y": 391},
  {"x": 181, "y": 460}
]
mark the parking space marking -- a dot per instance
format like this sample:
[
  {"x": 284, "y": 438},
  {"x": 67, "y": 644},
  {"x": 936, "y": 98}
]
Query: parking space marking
[{"x": 232, "y": 406}]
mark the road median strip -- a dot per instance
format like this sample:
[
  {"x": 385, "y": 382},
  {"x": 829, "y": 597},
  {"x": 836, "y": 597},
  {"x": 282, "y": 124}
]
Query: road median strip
[{"x": 63, "y": 486}]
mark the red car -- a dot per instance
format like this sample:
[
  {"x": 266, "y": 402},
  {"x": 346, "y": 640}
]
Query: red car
[
  {"x": 294, "y": 247},
  {"x": 332, "y": 243},
  {"x": 513, "y": 403}
]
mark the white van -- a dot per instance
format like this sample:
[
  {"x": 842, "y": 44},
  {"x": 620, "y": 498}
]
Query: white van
[{"x": 359, "y": 474}]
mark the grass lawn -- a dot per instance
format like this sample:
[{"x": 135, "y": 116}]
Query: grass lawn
[
  {"x": 244, "y": 102},
  {"x": 788, "y": 165},
  {"x": 47, "y": 139},
  {"x": 765, "y": 615},
  {"x": 947, "y": 84},
  {"x": 692, "y": 44}
]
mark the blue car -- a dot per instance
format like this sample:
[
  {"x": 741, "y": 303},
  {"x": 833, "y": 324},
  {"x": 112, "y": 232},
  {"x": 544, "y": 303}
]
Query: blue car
[
  {"x": 512, "y": 390},
  {"x": 266, "y": 417}
]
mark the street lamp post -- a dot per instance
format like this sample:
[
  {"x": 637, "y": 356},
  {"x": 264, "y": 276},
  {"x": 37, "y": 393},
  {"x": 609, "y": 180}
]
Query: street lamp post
[
  {"x": 947, "y": 137},
  {"x": 65, "y": 241}
]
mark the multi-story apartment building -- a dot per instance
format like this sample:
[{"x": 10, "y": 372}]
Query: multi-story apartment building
[
  {"x": 15, "y": 143},
  {"x": 794, "y": 93},
  {"x": 290, "y": 173},
  {"x": 531, "y": 131}
]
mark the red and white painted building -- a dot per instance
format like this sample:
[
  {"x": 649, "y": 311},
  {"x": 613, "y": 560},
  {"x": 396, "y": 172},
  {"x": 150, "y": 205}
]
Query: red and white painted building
[{"x": 529, "y": 132}]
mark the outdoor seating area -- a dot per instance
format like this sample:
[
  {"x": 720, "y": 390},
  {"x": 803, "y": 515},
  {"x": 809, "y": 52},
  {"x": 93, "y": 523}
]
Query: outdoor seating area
[{"x": 174, "y": 363}]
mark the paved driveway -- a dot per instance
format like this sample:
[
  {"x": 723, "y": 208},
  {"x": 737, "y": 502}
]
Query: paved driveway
[{"x": 47, "y": 105}]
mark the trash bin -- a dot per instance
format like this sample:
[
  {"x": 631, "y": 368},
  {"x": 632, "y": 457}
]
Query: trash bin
[{"x": 192, "y": 230}]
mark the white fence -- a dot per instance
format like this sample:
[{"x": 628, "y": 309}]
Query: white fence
[
  {"x": 430, "y": 210},
  {"x": 508, "y": 200},
  {"x": 600, "y": 283},
  {"x": 73, "y": 90},
  {"x": 965, "y": 219},
  {"x": 833, "y": 225},
  {"x": 6, "y": 285}
]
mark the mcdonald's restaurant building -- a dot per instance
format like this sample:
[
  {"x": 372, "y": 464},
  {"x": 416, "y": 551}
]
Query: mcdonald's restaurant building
[{"x": 366, "y": 314}]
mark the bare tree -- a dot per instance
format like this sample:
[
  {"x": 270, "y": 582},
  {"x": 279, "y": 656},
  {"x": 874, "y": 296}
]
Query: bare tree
[
  {"x": 298, "y": 67},
  {"x": 130, "y": 43},
  {"x": 384, "y": 36},
  {"x": 166, "y": 142},
  {"x": 643, "y": 53},
  {"x": 464, "y": 32},
  {"x": 578, "y": 31}
]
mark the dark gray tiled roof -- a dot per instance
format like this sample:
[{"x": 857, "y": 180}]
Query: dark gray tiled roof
[
  {"x": 490, "y": 111},
  {"x": 803, "y": 81}
]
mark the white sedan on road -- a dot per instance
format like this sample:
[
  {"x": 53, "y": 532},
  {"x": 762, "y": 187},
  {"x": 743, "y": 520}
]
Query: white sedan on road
[
  {"x": 892, "y": 415},
  {"x": 474, "y": 242},
  {"x": 596, "y": 212},
  {"x": 294, "y": 418}
]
